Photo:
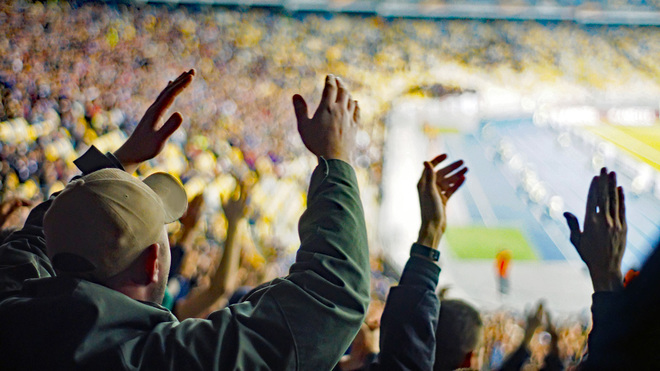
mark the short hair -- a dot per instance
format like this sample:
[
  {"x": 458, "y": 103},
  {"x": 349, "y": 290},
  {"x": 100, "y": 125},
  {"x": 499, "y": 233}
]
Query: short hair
[{"x": 457, "y": 334}]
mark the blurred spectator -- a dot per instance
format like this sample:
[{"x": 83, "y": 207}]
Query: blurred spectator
[
  {"x": 223, "y": 281},
  {"x": 459, "y": 334},
  {"x": 515, "y": 360},
  {"x": 502, "y": 267},
  {"x": 13, "y": 213}
]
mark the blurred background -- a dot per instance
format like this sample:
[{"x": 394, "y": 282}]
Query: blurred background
[{"x": 535, "y": 95}]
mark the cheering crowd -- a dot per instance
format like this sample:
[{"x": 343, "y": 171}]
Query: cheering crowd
[{"x": 79, "y": 80}]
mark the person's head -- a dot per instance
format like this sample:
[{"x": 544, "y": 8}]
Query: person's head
[
  {"x": 457, "y": 335},
  {"x": 109, "y": 227}
]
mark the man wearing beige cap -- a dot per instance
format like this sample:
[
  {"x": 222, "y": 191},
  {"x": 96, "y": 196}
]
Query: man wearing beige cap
[{"x": 81, "y": 284}]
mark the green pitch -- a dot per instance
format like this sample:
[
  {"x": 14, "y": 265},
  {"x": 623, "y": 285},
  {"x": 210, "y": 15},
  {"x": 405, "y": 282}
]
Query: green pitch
[{"x": 479, "y": 242}]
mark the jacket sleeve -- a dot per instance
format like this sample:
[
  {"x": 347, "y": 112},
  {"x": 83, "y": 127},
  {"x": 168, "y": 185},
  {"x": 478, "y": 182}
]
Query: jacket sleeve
[
  {"x": 304, "y": 321},
  {"x": 625, "y": 324},
  {"x": 407, "y": 337},
  {"x": 23, "y": 253}
]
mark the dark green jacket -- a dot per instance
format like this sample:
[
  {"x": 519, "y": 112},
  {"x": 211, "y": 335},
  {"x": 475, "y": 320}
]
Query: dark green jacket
[{"x": 303, "y": 321}]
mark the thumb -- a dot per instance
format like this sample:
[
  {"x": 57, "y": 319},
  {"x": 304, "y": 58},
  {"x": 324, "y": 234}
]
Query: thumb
[
  {"x": 574, "y": 227},
  {"x": 426, "y": 176},
  {"x": 300, "y": 107},
  {"x": 170, "y": 126},
  {"x": 429, "y": 174}
]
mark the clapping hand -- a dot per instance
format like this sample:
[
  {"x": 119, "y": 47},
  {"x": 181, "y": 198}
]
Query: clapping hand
[
  {"x": 148, "y": 138},
  {"x": 330, "y": 133},
  {"x": 534, "y": 320},
  {"x": 435, "y": 188},
  {"x": 235, "y": 206}
]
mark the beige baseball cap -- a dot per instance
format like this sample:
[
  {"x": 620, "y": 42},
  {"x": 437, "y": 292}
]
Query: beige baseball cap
[{"x": 100, "y": 223}]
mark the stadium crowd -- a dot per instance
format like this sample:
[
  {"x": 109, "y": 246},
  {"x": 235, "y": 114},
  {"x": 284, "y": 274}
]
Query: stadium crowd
[{"x": 78, "y": 78}]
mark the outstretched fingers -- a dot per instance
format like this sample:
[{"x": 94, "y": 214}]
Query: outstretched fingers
[
  {"x": 613, "y": 198},
  {"x": 352, "y": 104},
  {"x": 447, "y": 184},
  {"x": 446, "y": 176},
  {"x": 343, "y": 96},
  {"x": 329, "y": 90},
  {"x": 454, "y": 187},
  {"x": 449, "y": 168},
  {"x": 604, "y": 196},
  {"x": 168, "y": 95},
  {"x": 438, "y": 159},
  {"x": 356, "y": 114},
  {"x": 300, "y": 108},
  {"x": 592, "y": 198},
  {"x": 170, "y": 126},
  {"x": 452, "y": 178},
  {"x": 621, "y": 218}
]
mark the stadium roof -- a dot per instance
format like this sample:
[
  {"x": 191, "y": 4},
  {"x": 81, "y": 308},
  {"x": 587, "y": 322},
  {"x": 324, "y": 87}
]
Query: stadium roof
[{"x": 633, "y": 12}]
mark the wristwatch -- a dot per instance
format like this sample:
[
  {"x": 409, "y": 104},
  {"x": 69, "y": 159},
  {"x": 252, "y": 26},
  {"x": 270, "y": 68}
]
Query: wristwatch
[{"x": 425, "y": 252}]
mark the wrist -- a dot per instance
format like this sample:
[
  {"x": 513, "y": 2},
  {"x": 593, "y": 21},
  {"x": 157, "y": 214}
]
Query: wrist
[
  {"x": 429, "y": 235},
  {"x": 425, "y": 252},
  {"x": 612, "y": 281},
  {"x": 129, "y": 166},
  {"x": 344, "y": 158}
]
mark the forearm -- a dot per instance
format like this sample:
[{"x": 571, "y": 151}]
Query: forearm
[
  {"x": 200, "y": 300},
  {"x": 410, "y": 317},
  {"x": 228, "y": 266},
  {"x": 429, "y": 235},
  {"x": 186, "y": 238},
  {"x": 316, "y": 311},
  {"x": 605, "y": 331},
  {"x": 332, "y": 265}
]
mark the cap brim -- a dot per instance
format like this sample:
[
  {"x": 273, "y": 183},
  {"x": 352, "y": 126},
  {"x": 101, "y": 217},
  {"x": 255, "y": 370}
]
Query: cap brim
[{"x": 172, "y": 194}]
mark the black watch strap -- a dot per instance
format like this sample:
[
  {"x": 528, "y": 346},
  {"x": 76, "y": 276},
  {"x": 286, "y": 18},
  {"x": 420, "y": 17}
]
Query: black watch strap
[{"x": 425, "y": 252}]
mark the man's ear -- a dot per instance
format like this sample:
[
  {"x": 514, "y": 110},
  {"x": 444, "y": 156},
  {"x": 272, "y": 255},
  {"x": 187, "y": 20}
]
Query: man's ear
[{"x": 151, "y": 263}]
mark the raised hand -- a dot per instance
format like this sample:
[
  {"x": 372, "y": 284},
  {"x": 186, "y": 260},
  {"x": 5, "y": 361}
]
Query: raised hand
[
  {"x": 235, "y": 205},
  {"x": 602, "y": 243},
  {"x": 191, "y": 217},
  {"x": 434, "y": 189},
  {"x": 148, "y": 138},
  {"x": 330, "y": 133},
  {"x": 552, "y": 330},
  {"x": 534, "y": 320}
]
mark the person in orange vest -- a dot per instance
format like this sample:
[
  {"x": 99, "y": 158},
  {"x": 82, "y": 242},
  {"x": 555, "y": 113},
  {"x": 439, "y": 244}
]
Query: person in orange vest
[{"x": 502, "y": 267}]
